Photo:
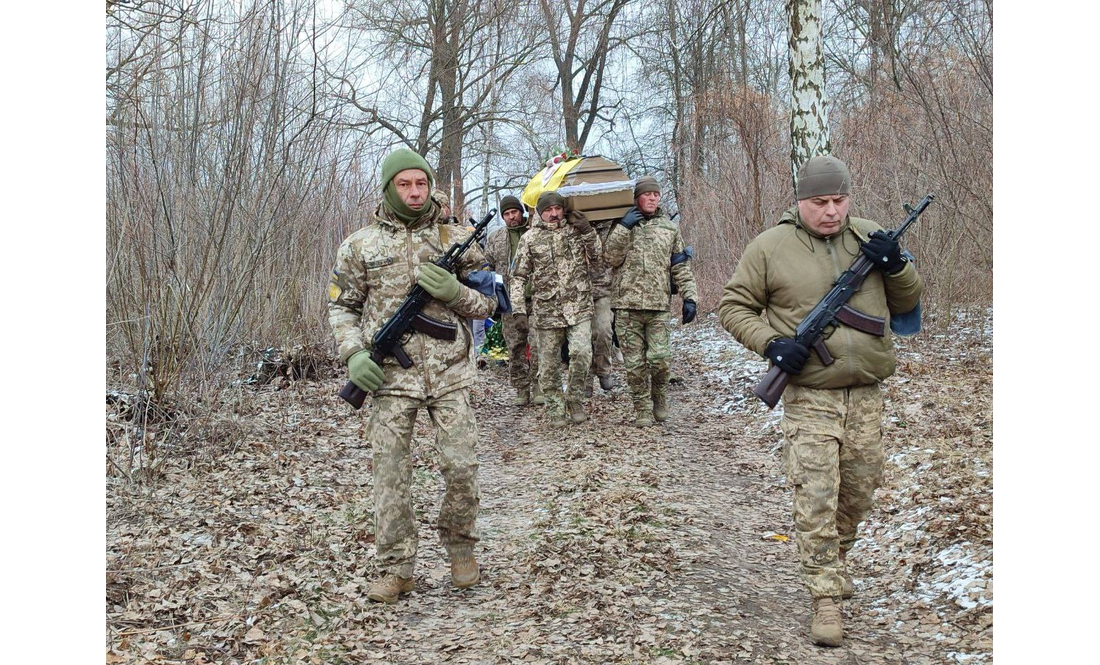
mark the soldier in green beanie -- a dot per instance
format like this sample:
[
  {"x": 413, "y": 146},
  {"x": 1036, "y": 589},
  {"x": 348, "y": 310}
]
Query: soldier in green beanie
[
  {"x": 556, "y": 257},
  {"x": 523, "y": 364},
  {"x": 375, "y": 268},
  {"x": 644, "y": 250},
  {"x": 832, "y": 414}
]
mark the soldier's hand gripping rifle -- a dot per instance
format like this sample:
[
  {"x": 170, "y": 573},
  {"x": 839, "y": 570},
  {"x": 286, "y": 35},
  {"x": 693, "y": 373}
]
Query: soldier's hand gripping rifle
[
  {"x": 833, "y": 310},
  {"x": 387, "y": 341}
]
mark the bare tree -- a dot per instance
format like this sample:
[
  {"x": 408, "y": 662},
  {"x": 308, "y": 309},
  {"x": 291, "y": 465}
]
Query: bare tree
[{"x": 580, "y": 38}]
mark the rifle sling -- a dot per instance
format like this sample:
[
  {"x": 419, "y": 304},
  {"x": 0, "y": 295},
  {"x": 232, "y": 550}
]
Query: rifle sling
[
  {"x": 872, "y": 325},
  {"x": 434, "y": 328}
]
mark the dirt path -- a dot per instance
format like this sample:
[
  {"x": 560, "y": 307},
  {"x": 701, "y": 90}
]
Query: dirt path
[{"x": 600, "y": 544}]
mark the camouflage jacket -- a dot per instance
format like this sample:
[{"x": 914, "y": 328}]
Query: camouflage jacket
[
  {"x": 786, "y": 270},
  {"x": 557, "y": 261},
  {"x": 641, "y": 262},
  {"x": 375, "y": 268},
  {"x": 498, "y": 249},
  {"x": 601, "y": 275}
]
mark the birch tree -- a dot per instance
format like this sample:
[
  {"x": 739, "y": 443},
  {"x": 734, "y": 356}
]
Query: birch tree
[{"x": 809, "y": 116}]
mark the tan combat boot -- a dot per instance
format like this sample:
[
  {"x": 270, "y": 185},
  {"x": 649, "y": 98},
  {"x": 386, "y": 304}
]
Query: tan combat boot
[
  {"x": 557, "y": 420},
  {"x": 607, "y": 383},
  {"x": 643, "y": 416},
  {"x": 464, "y": 570},
  {"x": 537, "y": 397},
  {"x": 660, "y": 406},
  {"x": 522, "y": 398},
  {"x": 826, "y": 629},
  {"x": 846, "y": 589},
  {"x": 387, "y": 589},
  {"x": 576, "y": 412}
]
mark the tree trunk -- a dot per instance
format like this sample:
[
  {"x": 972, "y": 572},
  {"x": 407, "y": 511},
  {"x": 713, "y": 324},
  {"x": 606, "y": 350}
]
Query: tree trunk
[{"x": 809, "y": 117}]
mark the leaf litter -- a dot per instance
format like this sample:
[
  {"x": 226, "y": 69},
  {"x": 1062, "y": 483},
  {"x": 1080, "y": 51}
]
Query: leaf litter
[{"x": 602, "y": 543}]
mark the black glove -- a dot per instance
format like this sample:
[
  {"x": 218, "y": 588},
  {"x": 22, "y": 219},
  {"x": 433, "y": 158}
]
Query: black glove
[
  {"x": 687, "y": 314},
  {"x": 631, "y": 218},
  {"x": 884, "y": 252},
  {"x": 787, "y": 354}
]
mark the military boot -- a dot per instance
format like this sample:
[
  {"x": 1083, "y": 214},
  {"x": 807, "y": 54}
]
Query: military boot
[
  {"x": 643, "y": 413},
  {"x": 522, "y": 398},
  {"x": 826, "y": 629},
  {"x": 557, "y": 420},
  {"x": 576, "y": 412},
  {"x": 387, "y": 589},
  {"x": 846, "y": 590},
  {"x": 537, "y": 398},
  {"x": 464, "y": 570},
  {"x": 607, "y": 383},
  {"x": 660, "y": 405}
]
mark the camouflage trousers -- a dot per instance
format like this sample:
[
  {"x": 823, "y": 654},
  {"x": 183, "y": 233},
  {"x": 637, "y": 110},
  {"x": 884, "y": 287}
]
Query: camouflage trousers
[
  {"x": 390, "y": 430},
  {"x": 603, "y": 349},
  {"x": 647, "y": 354},
  {"x": 521, "y": 371},
  {"x": 833, "y": 458},
  {"x": 580, "y": 357}
]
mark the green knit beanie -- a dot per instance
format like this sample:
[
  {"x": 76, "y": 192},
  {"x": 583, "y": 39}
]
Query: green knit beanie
[
  {"x": 547, "y": 199},
  {"x": 401, "y": 159},
  {"x": 394, "y": 163},
  {"x": 646, "y": 183},
  {"x": 823, "y": 175},
  {"x": 510, "y": 203}
]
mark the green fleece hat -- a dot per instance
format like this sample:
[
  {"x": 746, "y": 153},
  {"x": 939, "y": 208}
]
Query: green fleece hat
[
  {"x": 510, "y": 203},
  {"x": 823, "y": 175},
  {"x": 401, "y": 159},
  {"x": 646, "y": 183},
  {"x": 396, "y": 162},
  {"x": 547, "y": 199}
]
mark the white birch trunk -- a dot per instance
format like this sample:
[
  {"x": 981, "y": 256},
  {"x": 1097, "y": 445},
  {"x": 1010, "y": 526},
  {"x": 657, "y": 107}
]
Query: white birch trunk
[{"x": 809, "y": 117}]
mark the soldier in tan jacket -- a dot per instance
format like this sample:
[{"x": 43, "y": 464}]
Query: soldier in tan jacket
[
  {"x": 643, "y": 250},
  {"x": 557, "y": 257},
  {"x": 375, "y": 269},
  {"x": 832, "y": 414}
]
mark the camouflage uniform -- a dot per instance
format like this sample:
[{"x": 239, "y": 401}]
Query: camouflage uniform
[
  {"x": 556, "y": 260},
  {"x": 500, "y": 249},
  {"x": 603, "y": 347},
  {"x": 640, "y": 294},
  {"x": 375, "y": 268},
  {"x": 832, "y": 415}
]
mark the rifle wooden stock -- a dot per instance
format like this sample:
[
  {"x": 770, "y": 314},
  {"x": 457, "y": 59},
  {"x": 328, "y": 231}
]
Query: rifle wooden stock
[
  {"x": 770, "y": 388},
  {"x": 353, "y": 395}
]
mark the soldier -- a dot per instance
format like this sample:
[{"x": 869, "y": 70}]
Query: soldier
[
  {"x": 556, "y": 257},
  {"x": 375, "y": 268},
  {"x": 832, "y": 415},
  {"x": 603, "y": 348},
  {"x": 501, "y": 251},
  {"x": 640, "y": 249}
]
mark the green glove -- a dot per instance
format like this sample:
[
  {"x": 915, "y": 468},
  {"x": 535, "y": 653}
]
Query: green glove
[
  {"x": 364, "y": 372},
  {"x": 443, "y": 285}
]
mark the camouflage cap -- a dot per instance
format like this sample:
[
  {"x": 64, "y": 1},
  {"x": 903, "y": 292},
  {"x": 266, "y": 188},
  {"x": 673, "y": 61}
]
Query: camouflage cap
[
  {"x": 547, "y": 199},
  {"x": 510, "y": 203},
  {"x": 823, "y": 175},
  {"x": 646, "y": 183}
]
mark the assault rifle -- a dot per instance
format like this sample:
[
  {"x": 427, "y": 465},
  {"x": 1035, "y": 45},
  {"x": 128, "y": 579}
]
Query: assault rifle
[
  {"x": 408, "y": 317},
  {"x": 834, "y": 310}
]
